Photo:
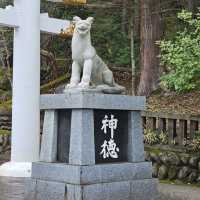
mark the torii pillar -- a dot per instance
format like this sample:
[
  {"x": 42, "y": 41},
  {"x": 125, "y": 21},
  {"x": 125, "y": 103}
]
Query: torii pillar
[{"x": 27, "y": 21}]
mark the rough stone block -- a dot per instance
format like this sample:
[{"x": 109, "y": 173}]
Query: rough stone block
[
  {"x": 73, "y": 192},
  {"x": 49, "y": 139},
  {"x": 30, "y": 189},
  {"x": 91, "y": 101},
  {"x": 103, "y": 173},
  {"x": 107, "y": 191},
  {"x": 56, "y": 172},
  {"x": 146, "y": 189},
  {"x": 82, "y": 148},
  {"x": 46, "y": 190},
  {"x": 135, "y": 137},
  {"x": 126, "y": 190},
  {"x": 115, "y": 172}
]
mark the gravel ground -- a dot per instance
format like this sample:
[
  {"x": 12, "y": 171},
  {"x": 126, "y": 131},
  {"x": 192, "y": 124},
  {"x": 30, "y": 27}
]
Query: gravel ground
[{"x": 178, "y": 192}]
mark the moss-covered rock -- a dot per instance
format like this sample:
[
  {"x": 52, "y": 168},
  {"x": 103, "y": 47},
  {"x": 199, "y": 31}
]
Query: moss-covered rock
[
  {"x": 184, "y": 172},
  {"x": 192, "y": 177},
  {"x": 172, "y": 172},
  {"x": 162, "y": 172},
  {"x": 154, "y": 157},
  {"x": 184, "y": 159},
  {"x": 164, "y": 158},
  {"x": 173, "y": 159},
  {"x": 193, "y": 162},
  {"x": 155, "y": 170},
  {"x": 147, "y": 156}
]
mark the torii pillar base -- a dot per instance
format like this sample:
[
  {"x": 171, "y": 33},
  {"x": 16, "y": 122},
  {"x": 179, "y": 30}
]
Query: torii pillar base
[
  {"x": 73, "y": 165},
  {"x": 16, "y": 169}
]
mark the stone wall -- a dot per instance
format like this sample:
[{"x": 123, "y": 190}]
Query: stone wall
[
  {"x": 5, "y": 135},
  {"x": 174, "y": 165}
]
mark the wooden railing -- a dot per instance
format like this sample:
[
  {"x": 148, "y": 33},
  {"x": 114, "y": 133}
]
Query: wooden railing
[{"x": 180, "y": 128}]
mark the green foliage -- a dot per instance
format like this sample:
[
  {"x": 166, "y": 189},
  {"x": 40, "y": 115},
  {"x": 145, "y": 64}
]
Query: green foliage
[
  {"x": 110, "y": 42},
  {"x": 181, "y": 56},
  {"x": 152, "y": 137},
  {"x": 5, "y": 132},
  {"x": 6, "y": 106},
  {"x": 163, "y": 138},
  {"x": 197, "y": 135},
  {"x": 194, "y": 145},
  {"x": 4, "y": 80},
  {"x": 55, "y": 83}
]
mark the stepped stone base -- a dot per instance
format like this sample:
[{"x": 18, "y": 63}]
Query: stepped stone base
[
  {"x": 72, "y": 166},
  {"x": 120, "y": 181},
  {"x": 125, "y": 190}
]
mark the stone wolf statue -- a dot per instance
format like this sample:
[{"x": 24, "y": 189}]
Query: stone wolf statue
[{"x": 95, "y": 73}]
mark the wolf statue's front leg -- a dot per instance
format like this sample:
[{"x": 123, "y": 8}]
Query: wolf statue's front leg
[
  {"x": 87, "y": 71},
  {"x": 76, "y": 73}
]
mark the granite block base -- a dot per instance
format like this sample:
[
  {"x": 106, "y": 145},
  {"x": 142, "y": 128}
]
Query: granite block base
[
  {"x": 125, "y": 190},
  {"x": 119, "y": 181},
  {"x": 92, "y": 149}
]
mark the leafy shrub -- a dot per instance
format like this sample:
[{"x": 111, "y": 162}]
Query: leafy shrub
[
  {"x": 163, "y": 138},
  {"x": 181, "y": 56},
  {"x": 4, "y": 132},
  {"x": 150, "y": 137},
  {"x": 194, "y": 145}
]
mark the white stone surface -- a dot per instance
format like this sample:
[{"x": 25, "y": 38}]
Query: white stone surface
[
  {"x": 9, "y": 17},
  {"x": 88, "y": 69},
  {"x": 25, "y": 17},
  {"x": 16, "y": 169},
  {"x": 52, "y": 25},
  {"x": 26, "y": 83}
]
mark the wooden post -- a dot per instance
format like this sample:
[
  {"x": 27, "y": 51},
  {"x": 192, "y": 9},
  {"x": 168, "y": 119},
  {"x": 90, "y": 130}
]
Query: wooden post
[
  {"x": 151, "y": 123},
  {"x": 193, "y": 128},
  {"x": 162, "y": 125},
  {"x": 182, "y": 132},
  {"x": 171, "y": 129}
]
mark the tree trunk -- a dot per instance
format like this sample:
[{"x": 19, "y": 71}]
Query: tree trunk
[
  {"x": 191, "y": 4},
  {"x": 150, "y": 32},
  {"x": 132, "y": 4},
  {"x": 124, "y": 16}
]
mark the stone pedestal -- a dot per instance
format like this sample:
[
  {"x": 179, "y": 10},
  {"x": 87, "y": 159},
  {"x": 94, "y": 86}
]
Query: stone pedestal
[{"x": 92, "y": 149}]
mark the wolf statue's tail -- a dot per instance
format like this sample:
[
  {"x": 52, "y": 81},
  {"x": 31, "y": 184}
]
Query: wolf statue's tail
[{"x": 115, "y": 89}]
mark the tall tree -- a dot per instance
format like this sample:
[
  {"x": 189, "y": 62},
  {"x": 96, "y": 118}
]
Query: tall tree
[
  {"x": 134, "y": 28},
  {"x": 124, "y": 16},
  {"x": 150, "y": 32},
  {"x": 192, "y": 5}
]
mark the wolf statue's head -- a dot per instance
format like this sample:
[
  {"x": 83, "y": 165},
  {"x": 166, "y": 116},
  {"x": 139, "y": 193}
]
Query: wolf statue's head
[{"x": 82, "y": 27}]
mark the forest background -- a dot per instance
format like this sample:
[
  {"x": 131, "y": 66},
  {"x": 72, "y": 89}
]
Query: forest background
[{"x": 126, "y": 34}]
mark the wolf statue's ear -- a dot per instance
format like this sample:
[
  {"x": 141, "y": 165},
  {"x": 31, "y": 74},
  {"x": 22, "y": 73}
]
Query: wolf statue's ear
[
  {"x": 76, "y": 19},
  {"x": 90, "y": 20}
]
